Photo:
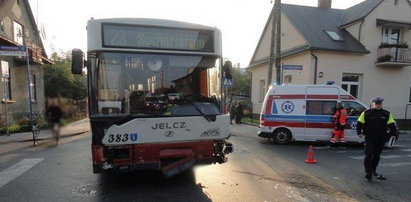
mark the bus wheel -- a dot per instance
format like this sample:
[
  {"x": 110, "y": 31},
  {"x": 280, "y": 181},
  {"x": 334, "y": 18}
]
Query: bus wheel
[{"x": 282, "y": 136}]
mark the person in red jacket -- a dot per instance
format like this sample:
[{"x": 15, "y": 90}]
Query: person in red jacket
[{"x": 340, "y": 118}]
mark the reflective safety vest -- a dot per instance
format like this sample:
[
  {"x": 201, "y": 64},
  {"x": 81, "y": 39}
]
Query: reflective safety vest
[{"x": 340, "y": 116}]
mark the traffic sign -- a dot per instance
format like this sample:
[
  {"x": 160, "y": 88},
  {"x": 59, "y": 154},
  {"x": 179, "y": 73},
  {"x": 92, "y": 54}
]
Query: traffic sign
[
  {"x": 227, "y": 82},
  {"x": 13, "y": 51}
]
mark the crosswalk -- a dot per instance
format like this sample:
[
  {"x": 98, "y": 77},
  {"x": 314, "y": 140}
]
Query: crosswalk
[
  {"x": 400, "y": 156},
  {"x": 17, "y": 169}
]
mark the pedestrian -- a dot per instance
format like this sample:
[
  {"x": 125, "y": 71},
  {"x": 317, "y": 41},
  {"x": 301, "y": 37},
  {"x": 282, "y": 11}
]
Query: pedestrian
[
  {"x": 232, "y": 111},
  {"x": 54, "y": 114},
  {"x": 372, "y": 125},
  {"x": 239, "y": 112},
  {"x": 340, "y": 118}
]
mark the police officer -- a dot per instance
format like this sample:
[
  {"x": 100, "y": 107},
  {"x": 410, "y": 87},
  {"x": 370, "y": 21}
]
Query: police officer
[{"x": 373, "y": 124}]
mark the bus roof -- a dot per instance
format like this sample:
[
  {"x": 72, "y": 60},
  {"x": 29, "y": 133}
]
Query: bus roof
[{"x": 95, "y": 42}]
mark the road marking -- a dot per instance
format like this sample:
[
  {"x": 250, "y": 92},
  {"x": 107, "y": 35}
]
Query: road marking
[
  {"x": 17, "y": 169},
  {"x": 383, "y": 157},
  {"x": 406, "y": 150},
  {"x": 395, "y": 164},
  {"x": 357, "y": 157}
]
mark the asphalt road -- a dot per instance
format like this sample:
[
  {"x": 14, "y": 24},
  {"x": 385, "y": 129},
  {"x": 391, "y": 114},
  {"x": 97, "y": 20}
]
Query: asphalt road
[{"x": 256, "y": 171}]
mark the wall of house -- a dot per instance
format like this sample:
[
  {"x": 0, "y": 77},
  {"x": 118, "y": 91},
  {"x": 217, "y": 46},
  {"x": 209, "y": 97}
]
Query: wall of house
[
  {"x": 306, "y": 76},
  {"x": 354, "y": 29},
  {"x": 11, "y": 11},
  {"x": 290, "y": 39},
  {"x": 19, "y": 104},
  {"x": 390, "y": 82},
  {"x": 298, "y": 77},
  {"x": 258, "y": 73}
]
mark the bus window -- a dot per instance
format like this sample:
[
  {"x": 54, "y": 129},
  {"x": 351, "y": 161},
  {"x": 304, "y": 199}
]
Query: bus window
[{"x": 148, "y": 80}]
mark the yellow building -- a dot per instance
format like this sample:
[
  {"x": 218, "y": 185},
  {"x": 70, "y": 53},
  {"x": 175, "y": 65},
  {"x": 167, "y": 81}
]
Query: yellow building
[{"x": 364, "y": 49}]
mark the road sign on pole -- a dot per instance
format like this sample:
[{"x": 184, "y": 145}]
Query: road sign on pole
[
  {"x": 13, "y": 51},
  {"x": 227, "y": 82}
]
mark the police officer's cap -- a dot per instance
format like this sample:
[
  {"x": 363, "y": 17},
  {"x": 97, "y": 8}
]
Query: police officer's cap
[{"x": 377, "y": 100}]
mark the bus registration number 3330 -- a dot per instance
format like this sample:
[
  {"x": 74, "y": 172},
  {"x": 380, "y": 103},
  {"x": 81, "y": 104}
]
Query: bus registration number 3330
[{"x": 122, "y": 137}]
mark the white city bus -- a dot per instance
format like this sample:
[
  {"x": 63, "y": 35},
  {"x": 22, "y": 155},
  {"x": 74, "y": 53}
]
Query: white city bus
[{"x": 155, "y": 95}]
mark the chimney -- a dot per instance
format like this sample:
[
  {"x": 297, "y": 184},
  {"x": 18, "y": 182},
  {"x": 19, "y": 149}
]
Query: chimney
[{"x": 324, "y": 4}]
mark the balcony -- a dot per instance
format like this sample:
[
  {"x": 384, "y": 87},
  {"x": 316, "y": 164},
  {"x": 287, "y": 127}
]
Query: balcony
[{"x": 394, "y": 55}]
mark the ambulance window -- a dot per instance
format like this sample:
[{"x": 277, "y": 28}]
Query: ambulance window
[
  {"x": 321, "y": 107},
  {"x": 353, "y": 108}
]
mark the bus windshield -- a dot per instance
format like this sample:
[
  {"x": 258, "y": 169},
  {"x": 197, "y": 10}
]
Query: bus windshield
[{"x": 154, "y": 84}]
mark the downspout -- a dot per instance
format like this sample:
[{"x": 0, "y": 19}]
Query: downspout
[
  {"x": 359, "y": 31},
  {"x": 315, "y": 67}
]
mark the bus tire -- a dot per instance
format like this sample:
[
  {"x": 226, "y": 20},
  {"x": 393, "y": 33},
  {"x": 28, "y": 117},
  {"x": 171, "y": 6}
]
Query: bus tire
[{"x": 282, "y": 136}]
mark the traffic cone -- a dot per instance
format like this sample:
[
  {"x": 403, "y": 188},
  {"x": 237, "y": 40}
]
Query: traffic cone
[{"x": 310, "y": 155}]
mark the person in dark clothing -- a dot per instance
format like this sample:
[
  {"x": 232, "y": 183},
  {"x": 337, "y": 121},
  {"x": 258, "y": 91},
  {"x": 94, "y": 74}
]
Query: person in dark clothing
[
  {"x": 232, "y": 112},
  {"x": 54, "y": 114},
  {"x": 373, "y": 124},
  {"x": 238, "y": 113}
]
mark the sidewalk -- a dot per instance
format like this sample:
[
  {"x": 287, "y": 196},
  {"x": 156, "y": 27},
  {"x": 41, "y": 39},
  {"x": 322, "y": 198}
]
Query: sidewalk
[{"x": 74, "y": 128}]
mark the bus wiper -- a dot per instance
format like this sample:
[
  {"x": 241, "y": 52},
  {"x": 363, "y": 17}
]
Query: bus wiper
[{"x": 199, "y": 110}]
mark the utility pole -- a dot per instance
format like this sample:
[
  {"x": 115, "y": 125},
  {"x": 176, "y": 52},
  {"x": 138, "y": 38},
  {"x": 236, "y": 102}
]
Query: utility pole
[{"x": 275, "y": 42}]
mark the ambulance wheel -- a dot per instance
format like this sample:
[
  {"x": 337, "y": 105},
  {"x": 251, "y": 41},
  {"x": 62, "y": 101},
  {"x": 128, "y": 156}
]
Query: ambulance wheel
[{"x": 282, "y": 136}]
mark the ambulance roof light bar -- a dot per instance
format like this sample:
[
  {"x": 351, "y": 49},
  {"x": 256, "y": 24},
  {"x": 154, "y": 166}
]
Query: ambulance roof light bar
[{"x": 330, "y": 83}]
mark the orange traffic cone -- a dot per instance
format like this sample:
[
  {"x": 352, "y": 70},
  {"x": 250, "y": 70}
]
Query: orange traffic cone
[{"x": 310, "y": 155}]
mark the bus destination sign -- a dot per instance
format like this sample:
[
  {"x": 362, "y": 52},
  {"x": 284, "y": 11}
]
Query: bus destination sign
[{"x": 131, "y": 36}]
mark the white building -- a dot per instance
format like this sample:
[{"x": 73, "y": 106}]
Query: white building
[{"x": 363, "y": 49}]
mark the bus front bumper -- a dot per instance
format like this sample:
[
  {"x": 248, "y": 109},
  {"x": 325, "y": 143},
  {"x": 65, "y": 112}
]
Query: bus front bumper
[{"x": 170, "y": 158}]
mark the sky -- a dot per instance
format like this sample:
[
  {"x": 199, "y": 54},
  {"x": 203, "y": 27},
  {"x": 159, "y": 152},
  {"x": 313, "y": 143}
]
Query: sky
[{"x": 240, "y": 21}]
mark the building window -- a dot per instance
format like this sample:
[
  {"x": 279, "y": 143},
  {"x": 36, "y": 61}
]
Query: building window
[
  {"x": 321, "y": 107},
  {"x": 351, "y": 83},
  {"x": 390, "y": 35},
  {"x": 5, "y": 69},
  {"x": 18, "y": 33},
  {"x": 262, "y": 90},
  {"x": 2, "y": 26},
  {"x": 288, "y": 79},
  {"x": 33, "y": 88},
  {"x": 334, "y": 36}
]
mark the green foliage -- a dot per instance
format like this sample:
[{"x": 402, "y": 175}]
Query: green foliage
[
  {"x": 59, "y": 81},
  {"x": 241, "y": 82},
  {"x": 14, "y": 128},
  {"x": 241, "y": 79}
]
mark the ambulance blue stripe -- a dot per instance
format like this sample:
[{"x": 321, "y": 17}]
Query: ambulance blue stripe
[{"x": 302, "y": 118}]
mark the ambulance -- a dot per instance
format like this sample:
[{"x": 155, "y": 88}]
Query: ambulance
[{"x": 304, "y": 113}]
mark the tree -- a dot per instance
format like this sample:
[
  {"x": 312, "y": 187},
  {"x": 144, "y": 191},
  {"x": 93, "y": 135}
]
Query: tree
[
  {"x": 59, "y": 81},
  {"x": 241, "y": 79}
]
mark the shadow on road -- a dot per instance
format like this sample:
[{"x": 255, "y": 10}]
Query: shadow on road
[{"x": 149, "y": 186}]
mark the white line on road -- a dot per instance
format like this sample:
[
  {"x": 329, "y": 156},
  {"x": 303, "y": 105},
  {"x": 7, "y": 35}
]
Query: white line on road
[
  {"x": 395, "y": 164},
  {"x": 406, "y": 150},
  {"x": 383, "y": 157},
  {"x": 17, "y": 169}
]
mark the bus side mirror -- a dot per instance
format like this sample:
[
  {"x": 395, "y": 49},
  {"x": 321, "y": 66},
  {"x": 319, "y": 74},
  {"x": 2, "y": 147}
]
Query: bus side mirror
[{"x": 77, "y": 62}]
